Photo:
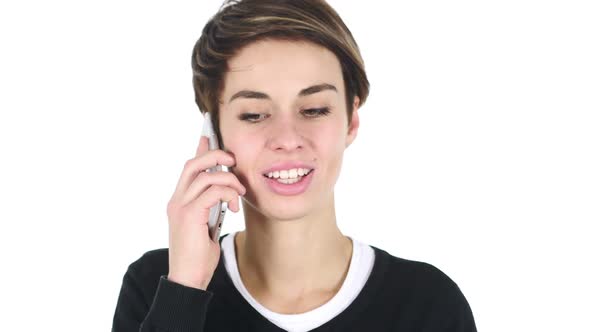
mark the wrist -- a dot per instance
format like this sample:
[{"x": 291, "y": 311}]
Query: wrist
[{"x": 199, "y": 283}]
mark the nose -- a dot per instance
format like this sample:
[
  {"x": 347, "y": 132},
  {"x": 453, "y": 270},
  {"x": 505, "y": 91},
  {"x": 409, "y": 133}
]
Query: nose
[{"x": 285, "y": 135}]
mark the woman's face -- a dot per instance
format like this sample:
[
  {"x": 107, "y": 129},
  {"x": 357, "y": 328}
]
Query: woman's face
[{"x": 285, "y": 126}]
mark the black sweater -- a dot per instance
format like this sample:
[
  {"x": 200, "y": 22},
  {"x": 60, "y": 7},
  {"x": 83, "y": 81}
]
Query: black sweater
[{"x": 400, "y": 295}]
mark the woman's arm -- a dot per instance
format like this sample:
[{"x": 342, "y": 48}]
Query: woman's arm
[{"x": 173, "y": 307}]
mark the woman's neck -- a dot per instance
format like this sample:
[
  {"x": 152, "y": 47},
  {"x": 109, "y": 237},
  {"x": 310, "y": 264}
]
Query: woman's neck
[{"x": 293, "y": 260}]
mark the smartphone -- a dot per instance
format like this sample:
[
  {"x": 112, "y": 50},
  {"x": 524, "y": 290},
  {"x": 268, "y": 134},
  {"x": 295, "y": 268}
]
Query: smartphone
[{"x": 217, "y": 211}]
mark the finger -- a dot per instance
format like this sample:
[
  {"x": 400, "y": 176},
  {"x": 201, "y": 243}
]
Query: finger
[
  {"x": 232, "y": 205},
  {"x": 211, "y": 196},
  {"x": 235, "y": 205},
  {"x": 204, "y": 180},
  {"x": 199, "y": 164},
  {"x": 203, "y": 145}
]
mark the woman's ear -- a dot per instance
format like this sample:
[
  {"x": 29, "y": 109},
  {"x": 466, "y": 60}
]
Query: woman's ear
[{"x": 354, "y": 122}]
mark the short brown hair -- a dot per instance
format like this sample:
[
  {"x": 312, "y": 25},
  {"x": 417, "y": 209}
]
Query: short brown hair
[{"x": 239, "y": 23}]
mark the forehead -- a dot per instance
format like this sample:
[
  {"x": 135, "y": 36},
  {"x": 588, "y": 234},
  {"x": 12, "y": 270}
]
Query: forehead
[{"x": 281, "y": 68}]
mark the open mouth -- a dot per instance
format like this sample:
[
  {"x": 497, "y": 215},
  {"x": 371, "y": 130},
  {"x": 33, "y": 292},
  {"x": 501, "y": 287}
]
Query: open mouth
[{"x": 289, "y": 180}]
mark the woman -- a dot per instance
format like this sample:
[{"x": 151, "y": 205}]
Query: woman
[{"x": 283, "y": 82}]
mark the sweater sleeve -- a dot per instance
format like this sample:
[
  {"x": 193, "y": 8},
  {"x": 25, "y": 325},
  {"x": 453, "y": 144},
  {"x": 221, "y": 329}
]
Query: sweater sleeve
[{"x": 174, "y": 307}]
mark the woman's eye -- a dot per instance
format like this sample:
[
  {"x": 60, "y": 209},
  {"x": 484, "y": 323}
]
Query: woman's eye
[
  {"x": 249, "y": 116},
  {"x": 317, "y": 111},
  {"x": 310, "y": 113}
]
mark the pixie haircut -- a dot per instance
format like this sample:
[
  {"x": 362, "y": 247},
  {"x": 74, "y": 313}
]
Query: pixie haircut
[{"x": 239, "y": 23}]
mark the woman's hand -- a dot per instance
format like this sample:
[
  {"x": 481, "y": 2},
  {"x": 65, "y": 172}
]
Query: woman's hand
[{"x": 192, "y": 255}]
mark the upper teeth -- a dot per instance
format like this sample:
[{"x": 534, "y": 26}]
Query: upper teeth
[{"x": 286, "y": 174}]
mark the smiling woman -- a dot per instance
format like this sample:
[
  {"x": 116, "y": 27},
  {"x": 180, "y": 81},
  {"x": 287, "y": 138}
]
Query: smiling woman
[{"x": 283, "y": 82}]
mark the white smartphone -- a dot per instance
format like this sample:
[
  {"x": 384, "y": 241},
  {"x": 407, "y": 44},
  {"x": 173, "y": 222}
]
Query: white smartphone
[{"x": 217, "y": 211}]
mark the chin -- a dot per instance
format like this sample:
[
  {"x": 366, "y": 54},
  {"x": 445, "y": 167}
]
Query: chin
[
  {"x": 286, "y": 217},
  {"x": 286, "y": 211},
  {"x": 281, "y": 210}
]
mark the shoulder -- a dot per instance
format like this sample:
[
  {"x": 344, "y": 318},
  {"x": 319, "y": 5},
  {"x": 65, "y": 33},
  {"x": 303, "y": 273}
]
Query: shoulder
[
  {"x": 151, "y": 262},
  {"x": 418, "y": 271},
  {"x": 417, "y": 279},
  {"x": 422, "y": 287}
]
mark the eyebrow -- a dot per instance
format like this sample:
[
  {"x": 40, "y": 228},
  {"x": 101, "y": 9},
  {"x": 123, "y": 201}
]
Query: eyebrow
[{"x": 305, "y": 92}]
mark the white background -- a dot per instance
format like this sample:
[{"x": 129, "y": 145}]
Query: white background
[{"x": 472, "y": 153}]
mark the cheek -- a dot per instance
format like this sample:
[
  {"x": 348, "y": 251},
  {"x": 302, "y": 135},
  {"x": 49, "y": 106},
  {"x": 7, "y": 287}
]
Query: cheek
[
  {"x": 244, "y": 152},
  {"x": 332, "y": 135},
  {"x": 331, "y": 144}
]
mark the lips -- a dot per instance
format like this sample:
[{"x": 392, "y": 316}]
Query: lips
[{"x": 289, "y": 189}]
